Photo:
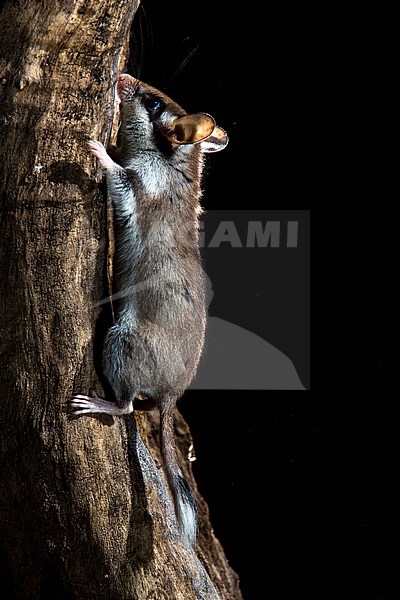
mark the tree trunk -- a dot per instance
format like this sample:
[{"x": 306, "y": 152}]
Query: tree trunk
[{"x": 84, "y": 511}]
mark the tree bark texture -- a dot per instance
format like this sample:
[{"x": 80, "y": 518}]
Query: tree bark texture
[{"x": 84, "y": 511}]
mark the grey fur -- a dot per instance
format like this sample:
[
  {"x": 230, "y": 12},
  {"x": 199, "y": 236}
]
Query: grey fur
[{"x": 154, "y": 347}]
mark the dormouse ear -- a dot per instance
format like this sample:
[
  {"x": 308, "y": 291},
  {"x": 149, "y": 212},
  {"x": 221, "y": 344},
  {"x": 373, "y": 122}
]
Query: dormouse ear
[
  {"x": 191, "y": 129},
  {"x": 217, "y": 141}
]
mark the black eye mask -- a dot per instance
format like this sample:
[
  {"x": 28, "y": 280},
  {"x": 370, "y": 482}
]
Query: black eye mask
[{"x": 153, "y": 105}]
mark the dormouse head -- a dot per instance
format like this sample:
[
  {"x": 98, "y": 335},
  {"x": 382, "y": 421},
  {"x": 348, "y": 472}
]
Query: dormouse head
[{"x": 150, "y": 120}]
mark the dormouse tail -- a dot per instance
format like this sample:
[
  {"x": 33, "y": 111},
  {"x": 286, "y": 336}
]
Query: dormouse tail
[{"x": 185, "y": 503}]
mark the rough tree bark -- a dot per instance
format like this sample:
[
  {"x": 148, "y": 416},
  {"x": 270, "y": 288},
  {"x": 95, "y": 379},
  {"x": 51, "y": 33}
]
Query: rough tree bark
[{"x": 83, "y": 507}]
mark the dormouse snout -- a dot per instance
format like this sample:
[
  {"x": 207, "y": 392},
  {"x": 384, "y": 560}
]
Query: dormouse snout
[{"x": 126, "y": 87}]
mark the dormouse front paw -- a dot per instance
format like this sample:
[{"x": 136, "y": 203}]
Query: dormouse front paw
[{"x": 97, "y": 149}]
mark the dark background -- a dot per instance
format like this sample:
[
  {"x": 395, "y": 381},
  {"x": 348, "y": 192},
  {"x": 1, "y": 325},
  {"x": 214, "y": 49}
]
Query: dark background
[
  {"x": 300, "y": 485},
  {"x": 263, "y": 290}
]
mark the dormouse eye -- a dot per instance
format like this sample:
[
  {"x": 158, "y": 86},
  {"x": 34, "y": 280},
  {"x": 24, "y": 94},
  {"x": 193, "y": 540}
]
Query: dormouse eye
[{"x": 154, "y": 105}]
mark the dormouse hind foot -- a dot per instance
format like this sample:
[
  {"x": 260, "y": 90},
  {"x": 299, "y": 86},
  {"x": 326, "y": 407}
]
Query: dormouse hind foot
[{"x": 83, "y": 405}]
